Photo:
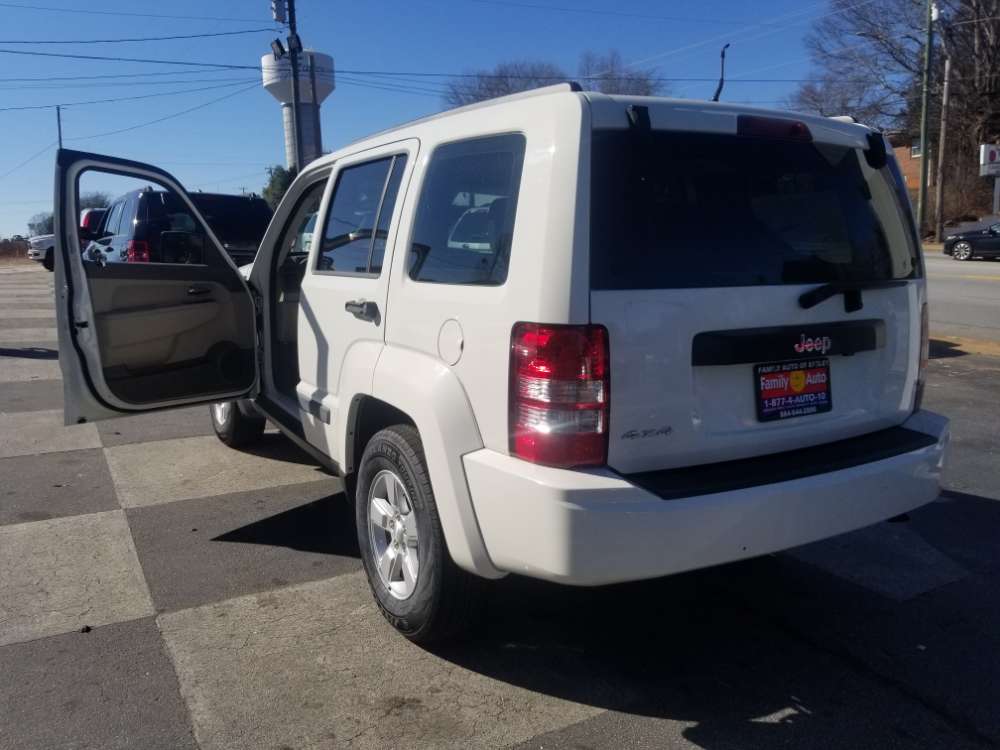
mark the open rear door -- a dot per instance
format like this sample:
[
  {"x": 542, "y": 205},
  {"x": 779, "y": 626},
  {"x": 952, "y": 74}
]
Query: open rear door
[{"x": 152, "y": 313}]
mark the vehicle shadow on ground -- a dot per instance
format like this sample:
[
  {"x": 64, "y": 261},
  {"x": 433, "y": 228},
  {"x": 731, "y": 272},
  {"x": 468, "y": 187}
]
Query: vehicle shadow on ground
[
  {"x": 29, "y": 352},
  {"x": 325, "y": 526},
  {"x": 940, "y": 349},
  {"x": 765, "y": 653},
  {"x": 275, "y": 445}
]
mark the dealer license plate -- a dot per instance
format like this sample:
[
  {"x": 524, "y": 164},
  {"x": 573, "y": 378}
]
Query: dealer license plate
[{"x": 792, "y": 389}]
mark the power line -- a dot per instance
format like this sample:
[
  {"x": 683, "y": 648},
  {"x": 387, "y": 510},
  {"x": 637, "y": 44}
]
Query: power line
[
  {"x": 166, "y": 117},
  {"x": 124, "y": 98},
  {"x": 27, "y": 161},
  {"x": 108, "y": 58},
  {"x": 135, "y": 39},
  {"x": 117, "y": 84},
  {"x": 617, "y": 13},
  {"x": 108, "y": 75},
  {"x": 93, "y": 12}
]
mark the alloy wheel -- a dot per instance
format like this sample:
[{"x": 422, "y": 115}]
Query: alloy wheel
[
  {"x": 392, "y": 530},
  {"x": 962, "y": 251}
]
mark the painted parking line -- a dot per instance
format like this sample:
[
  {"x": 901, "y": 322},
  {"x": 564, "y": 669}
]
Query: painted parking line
[{"x": 61, "y": 574}]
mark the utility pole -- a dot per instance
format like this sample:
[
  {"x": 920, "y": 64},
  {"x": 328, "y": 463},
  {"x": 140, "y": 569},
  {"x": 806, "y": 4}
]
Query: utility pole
[
  {"x": 924, "y": 103},
  {"x": 316, "y": 124},
  {"x": 294, "y": 46},
  {"x": 942, "y": 143},
  {"x": 59, "y": 124}
]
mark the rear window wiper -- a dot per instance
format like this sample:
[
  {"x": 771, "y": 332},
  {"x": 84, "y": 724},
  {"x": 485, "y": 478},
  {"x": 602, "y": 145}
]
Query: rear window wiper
[{"x": 850, "y": 289}]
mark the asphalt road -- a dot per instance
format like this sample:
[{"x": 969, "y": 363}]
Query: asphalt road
[
  {"x": 158, "y": 590},
  {"x": 964, "y": 297}
]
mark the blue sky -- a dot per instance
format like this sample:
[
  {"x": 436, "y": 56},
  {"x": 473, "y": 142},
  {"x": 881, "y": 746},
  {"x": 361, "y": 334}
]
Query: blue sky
[{"x": 226, "y": 146}]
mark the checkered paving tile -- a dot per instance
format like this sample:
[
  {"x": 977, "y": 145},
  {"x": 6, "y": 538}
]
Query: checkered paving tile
[{"x": 159, "y": 590}]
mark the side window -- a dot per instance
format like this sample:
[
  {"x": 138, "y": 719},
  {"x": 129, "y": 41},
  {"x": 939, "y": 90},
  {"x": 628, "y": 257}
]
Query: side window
[
  {"x": 385, "y": 213},
  {"x": 357, "y": 224},
  {"x": 297, "y": 235},
  {"x": 465, "y": 215},
  {"x": 111, "y": 224},
  {"x": 127, "y": 219}
]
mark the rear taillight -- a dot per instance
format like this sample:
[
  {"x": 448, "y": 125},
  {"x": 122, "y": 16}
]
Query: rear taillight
[
  {"x": 925, "y": 353},
  {"x": 137, "y": 251},
  {"x": 559, "y": 390}
]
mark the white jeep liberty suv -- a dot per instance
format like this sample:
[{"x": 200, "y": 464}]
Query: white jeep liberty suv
[{"x": 583, "y": 338}]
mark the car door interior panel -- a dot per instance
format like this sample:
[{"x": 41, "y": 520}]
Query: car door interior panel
[{"x": 170, "y": 314}]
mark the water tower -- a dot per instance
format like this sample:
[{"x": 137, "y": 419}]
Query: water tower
[{"x": 316, "y": 82}]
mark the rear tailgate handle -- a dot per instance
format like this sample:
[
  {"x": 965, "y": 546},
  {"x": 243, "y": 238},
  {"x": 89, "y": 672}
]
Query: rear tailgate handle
[{"x": 363, "y": 310}]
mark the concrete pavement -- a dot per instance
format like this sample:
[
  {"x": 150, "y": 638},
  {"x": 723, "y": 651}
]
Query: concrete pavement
[{"x": 157, "y": 591}]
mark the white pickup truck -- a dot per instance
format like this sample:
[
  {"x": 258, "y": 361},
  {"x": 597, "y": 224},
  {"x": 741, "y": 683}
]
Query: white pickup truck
[{"x": 584, "y": 338}]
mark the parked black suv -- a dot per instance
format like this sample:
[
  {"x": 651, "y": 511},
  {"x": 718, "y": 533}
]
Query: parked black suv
[{"x": 154, "y": 226}]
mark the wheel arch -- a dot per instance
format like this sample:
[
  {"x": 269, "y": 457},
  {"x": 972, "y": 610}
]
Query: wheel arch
[{"x": 414, "y": 388}]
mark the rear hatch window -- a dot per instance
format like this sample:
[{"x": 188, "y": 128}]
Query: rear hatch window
[
  {"x": 235, "y": 219},
  {"x": 682, "y": 210}
]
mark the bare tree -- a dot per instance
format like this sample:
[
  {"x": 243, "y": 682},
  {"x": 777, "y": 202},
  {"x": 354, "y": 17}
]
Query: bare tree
[
  {"x": 606, "y": 73},
  {"x": 505, "y": 78},
  {"x": 610, "y": 75},
  {"x": 868, "y": 61}
]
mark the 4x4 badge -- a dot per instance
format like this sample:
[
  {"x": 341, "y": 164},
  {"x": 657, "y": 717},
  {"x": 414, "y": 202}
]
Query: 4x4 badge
[{"x": 651, "y": 432}]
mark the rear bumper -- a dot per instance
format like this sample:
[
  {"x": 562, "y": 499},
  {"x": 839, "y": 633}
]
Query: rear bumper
[{"x": 595, "y": 527}]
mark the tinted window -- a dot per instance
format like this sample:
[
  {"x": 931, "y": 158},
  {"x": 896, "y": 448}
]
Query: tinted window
[
  {"x": 385, "y": 213},
  {"x": 352, "y": 216},
  {"x": 171, "y": 231},
  {"x": 127, "y": 221},
  {"x": 672, "y": 210},
  {"x": 465, "y": 217},
  {"x": 111, "y": 225},
  {"x": 235, "y": 219}
]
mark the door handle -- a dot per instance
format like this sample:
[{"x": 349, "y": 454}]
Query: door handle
[
  {"x": 363, "y": 310},
  {"x": 195, "y": 291}
]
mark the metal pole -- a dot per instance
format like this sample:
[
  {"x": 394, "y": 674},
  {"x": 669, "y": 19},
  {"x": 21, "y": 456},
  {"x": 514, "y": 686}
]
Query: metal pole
[
  {"x": 293, "y": 55},
  {"x": 942, "y": 142},
  {"x": 59, "y": 124},
  {"x": 996, "y": 195},
  {"x": 317, "y": 137},
  {"x": 924, "y": 103}
]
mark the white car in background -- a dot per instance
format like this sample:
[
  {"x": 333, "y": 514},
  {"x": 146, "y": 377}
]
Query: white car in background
[{"x": 39, "y": 245}]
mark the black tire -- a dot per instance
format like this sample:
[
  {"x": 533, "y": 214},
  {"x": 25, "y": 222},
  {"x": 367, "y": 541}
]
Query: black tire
[
  {"x": 233, "y": 426},
  {"x": 445, "y": 598},
  {"x": 49, "y": 262}
]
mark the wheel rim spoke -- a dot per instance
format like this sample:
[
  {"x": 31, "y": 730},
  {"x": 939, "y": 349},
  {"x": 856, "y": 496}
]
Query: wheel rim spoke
[
  {"x": 382, "y": 513},
  {"x": 410, "y": 530},
  {"x": 386, "y": 562},
  {"x": 410, "y": 568},
  {"x": 390, "y": 491}
]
